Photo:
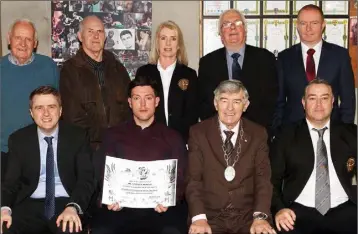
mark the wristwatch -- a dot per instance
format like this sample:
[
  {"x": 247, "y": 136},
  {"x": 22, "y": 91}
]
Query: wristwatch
[{"x": 260, "y": 216}]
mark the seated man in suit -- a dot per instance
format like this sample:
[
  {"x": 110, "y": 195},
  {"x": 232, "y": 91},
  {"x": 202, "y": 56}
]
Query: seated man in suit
[
  {"x": 229, "y": 189},
  {"x": 253, "y": 66},
  {"x": 142, "y": 139},
  {"x": 49, "y": 181},
  {"x": 312, "y": 58},
  {"x": 313, "y": 167}
]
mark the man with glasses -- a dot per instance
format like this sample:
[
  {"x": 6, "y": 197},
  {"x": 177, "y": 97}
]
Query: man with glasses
[
  {"x": 310, "y": 59},
  {"x": 254, "y": 67}
]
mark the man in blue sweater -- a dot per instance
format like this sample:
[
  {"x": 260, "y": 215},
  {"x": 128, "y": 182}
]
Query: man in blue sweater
[{"x": 21, "y": 71}]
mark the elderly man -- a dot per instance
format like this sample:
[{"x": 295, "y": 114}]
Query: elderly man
[
  {"x": 314, "y": 169},
  {"x": 50, "y": 179},
  {"x": 22, "y": 71},
  {"x": 312, "y": 58},
  {"x": 229, "y": 189},
  {"x": 254, "y": 67},
  {"x": 93, "y": 84},
  {"x": 143, "y": 139}
]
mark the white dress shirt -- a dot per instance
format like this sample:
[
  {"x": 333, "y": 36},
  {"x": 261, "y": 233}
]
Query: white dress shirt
[
  {"x": 338, "y": 195},
  {"x": 223, "y": 136},
  {"x": 316, "y": 55},
  {"x": 166, "y": 77}
]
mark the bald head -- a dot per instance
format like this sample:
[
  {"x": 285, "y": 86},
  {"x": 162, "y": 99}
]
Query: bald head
[{"x": 91, "y": 34}]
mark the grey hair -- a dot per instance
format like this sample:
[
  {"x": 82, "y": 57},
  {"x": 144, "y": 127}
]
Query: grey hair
[
  {"x": 243, "y": 19},
  {"x": 11, "y": 28},
  {"x": 230, "y": 86},
  {"x": 80, "y": 27},
  {"x": 316, "y": 81}
]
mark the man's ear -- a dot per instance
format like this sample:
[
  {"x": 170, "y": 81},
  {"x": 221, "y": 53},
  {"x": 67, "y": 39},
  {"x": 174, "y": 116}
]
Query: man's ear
[
  {"x": 157, "y": 100},
  {"x": 216, "y": 104},
  {"x": 32, "y": 115},
  {"x": 79, "y": 36},
  {"x": 247, "y": 103},
  {"x": 303, "y": 103},
  {"x": 8, "y": 38},
  {"x": 36, "y": 43},
  {"x": 130, "y": 102}
]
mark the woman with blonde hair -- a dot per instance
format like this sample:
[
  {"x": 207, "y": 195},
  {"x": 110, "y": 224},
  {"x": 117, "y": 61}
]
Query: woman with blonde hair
[{"x": 168, "y": 65}]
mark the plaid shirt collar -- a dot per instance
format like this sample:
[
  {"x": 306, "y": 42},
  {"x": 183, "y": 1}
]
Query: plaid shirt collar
[{"x": 14, "y": 60}]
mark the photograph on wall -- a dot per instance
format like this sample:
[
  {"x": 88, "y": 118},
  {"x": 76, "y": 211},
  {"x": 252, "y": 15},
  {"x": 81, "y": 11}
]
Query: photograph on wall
[
  {"x": 128, "y": 29},
  {"x": 353, "y": 32}
]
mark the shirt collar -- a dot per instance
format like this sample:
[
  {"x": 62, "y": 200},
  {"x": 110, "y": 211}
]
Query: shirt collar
[
  {"x": 169, "y": 68},
  {"x": 93, "y": 63},
  {"x": 241, "y": 51},
  {"x": 15, "y": 61},
  {"x": 134, "y": 124},
  {"x": 43, "y": 135},
  {"x": 224, "y": 128},
  {"x": 310, "y": 126},
  {"x": 317, "y": 47}
]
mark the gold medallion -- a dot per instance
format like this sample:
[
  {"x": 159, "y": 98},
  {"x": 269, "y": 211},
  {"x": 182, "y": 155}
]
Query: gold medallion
[{"x": 350, "y": 164}]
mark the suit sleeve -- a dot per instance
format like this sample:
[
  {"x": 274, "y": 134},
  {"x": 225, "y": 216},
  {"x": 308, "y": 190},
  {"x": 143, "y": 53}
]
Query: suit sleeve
[
  {"x": 85, "y": 183},
  {"x": 194, "y": 187},
  {"x": 263, "y": 187},
  {"x": 346, "y": 90},
  {"x": 123, "y": 101},
  {"x": 12, "y": 183},
  {"x": 281, "y": 99},
  {"x": 71, "y": 104},
  {"x": 206, "y": 95},
  {"x": 278, "y": 168}
]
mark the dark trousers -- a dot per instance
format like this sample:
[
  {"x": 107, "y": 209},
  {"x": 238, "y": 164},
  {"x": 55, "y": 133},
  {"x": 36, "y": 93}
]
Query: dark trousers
[
  {"x": 133, "y": 221},
  {"x": 28, "y": 218},
  {"x": 339, "y": 220}
]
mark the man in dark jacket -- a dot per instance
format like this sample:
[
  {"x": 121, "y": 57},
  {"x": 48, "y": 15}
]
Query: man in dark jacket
[{"x": 93, "y": 84}]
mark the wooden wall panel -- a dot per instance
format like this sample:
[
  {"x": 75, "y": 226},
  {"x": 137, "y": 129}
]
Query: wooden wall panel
[{"x": 353, "y": 52}]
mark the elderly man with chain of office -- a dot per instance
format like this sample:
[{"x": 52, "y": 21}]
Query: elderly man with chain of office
[{"x": 229, "y": 187}]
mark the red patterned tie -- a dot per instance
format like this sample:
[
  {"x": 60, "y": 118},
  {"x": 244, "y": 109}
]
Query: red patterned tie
[{"x": 310, "y": 66}]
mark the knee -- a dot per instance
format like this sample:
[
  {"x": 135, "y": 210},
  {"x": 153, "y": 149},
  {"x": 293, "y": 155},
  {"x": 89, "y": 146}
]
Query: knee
[
  {"x": 170, "y": 230},
  {"x": 67, "y": 231}
]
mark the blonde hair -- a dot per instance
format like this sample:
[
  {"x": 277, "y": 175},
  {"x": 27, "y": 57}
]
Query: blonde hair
[
  {"x": 230, "y": 11},
  {"x": 181, "y": 53}
]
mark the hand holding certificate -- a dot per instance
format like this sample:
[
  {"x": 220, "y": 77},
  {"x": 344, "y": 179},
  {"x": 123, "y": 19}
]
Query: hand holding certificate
[{"x": 140, "y": 184}]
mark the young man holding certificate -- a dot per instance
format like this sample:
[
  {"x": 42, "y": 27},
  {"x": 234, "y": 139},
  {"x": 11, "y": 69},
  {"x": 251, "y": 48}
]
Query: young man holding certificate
[{"x": 140, "y": 140}]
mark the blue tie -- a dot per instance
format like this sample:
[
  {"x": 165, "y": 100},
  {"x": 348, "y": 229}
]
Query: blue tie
[
  {"x": 236, "y": 68},
  {"x": 50, "y": 180}
]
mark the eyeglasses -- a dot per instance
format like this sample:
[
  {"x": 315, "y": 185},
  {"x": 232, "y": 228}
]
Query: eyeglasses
[{"x": 227, "y": 24}]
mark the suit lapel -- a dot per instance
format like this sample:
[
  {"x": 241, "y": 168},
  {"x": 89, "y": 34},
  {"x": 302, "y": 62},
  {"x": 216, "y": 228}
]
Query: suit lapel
[
  {"x": 62, "y": 152},
  {"x": 33, "y": 146},
  {"x": 299, "y": 61},
  {"x": 324, "y": 63},
  {"x": 222, "y": 66},
  {"x": 215, "y": 140},
  {"x": 160, "y": 111},
  {"x": 305, "y": 149}
]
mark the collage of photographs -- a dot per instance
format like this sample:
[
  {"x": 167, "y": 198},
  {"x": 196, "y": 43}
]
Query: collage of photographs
[{"x": 128, "y": 26}]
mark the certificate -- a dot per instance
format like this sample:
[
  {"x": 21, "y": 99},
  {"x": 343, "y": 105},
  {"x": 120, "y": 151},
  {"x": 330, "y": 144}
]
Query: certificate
[
  {"x": 297, "y": 5},
  {"x": 253, "y": 32},
  {"x": 215, "y": 8},
  {"x": 140, "y": 184},
  {"x": 248, "y": 7},
  {"x": 276, "y": 33},
  {"x": 211, "y": 38},
  {"x": 337, "y": 32},
  {"x": 276, "y": 7},
  {"x": 335, "y": 7}
]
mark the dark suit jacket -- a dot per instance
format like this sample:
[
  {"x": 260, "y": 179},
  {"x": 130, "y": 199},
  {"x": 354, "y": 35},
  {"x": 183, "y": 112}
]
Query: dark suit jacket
[
  {"x": 73, "y": 160},
  {"x": 208, "y": 192},
  {"x": 258, "y": 76},
  {"x": 182, "y": 104},
  {"x": 292, "y": 160},
  {"x": 334, "y": 66}
]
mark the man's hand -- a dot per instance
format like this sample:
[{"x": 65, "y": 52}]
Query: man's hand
[
  {"x": 200, "y": 226},
  {"x": 160, "y": 208},
  {"x": 285, "y": 218},
  {"x": 6, "y": 217},
  {"x": 261, "y": 226},
  {"x": 69, "y": 215},
  {"x": 115, "y": 207}
]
